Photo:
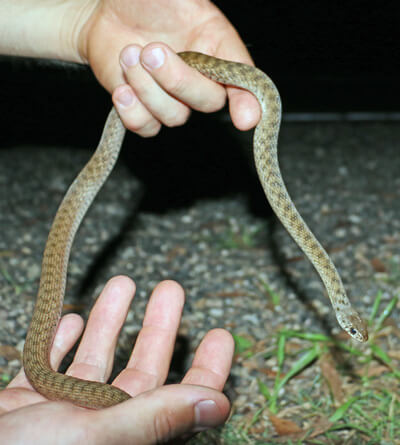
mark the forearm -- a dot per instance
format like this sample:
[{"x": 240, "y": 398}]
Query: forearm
[{"x": 43, "y": 28}]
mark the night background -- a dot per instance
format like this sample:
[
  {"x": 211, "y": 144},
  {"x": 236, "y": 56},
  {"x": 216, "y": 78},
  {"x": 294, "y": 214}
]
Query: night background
[{"x": 330, "y": 57}]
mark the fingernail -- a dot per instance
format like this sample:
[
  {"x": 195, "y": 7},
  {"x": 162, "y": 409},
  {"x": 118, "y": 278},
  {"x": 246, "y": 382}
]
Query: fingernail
[
  {"x": 125, "y": 98},
  {"x": 130, "y": 56},
  {"x": 206, "y": 415},
  {"x": 153, "y": 58}
]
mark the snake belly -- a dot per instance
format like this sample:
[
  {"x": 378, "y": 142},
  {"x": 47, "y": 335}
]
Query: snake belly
[{"x": 47, "y": 311}]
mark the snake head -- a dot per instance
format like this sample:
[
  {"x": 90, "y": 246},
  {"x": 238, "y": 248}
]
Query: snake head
[{"x": 354, "y": 325}]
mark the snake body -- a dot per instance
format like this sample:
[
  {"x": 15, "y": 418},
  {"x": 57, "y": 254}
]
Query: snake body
[{"x": 47, "y": 312}]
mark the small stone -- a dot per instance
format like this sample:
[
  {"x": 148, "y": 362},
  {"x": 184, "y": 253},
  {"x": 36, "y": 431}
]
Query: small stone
[
  {"x": 252, "y": 318},
  {"x": 215, "y": 312},
  {"x": 187, "y": 219},
  {"x": 33, "y": 272},
  {"x": 355, "y": 219}
]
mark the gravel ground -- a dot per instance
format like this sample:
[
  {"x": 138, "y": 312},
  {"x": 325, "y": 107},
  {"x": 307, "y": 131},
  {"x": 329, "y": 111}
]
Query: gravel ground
[{"x": 344, "y": 179}]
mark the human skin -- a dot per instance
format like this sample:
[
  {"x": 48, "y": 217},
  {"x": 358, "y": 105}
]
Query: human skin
[
  {"x": 131, "y": 47},
  {"x": 121, "y": 41},
  {"x": 156, "y": 413}
]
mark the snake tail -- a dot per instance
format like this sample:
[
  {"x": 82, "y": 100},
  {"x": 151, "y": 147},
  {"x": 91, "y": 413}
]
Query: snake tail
[{"x": 47, "y": 312}]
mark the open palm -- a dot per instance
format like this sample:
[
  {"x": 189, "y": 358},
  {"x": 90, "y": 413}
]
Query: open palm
[{"x": 153, "y": 406}]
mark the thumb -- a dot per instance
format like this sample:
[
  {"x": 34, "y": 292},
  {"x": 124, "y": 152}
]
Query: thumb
[{"x": 160, "y": 415}]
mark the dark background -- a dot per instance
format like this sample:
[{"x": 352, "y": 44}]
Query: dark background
[{"x": 323, "y": 56}]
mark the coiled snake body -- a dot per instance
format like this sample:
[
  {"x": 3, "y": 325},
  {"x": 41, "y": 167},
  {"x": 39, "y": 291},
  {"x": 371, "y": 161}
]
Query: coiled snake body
[{"x": 47, "y": 312}]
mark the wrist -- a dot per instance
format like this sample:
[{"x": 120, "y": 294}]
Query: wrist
[{"x": 39, "y": 28}]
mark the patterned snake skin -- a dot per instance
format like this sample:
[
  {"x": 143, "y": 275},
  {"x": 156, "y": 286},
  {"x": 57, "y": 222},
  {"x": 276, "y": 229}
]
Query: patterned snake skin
[{"x": 47, "y": 312}]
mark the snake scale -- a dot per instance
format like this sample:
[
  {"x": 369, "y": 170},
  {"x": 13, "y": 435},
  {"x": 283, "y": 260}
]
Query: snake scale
[{"x": 47, "y": 312}]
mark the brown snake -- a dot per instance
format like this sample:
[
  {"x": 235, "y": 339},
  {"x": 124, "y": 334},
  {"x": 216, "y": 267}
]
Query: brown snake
[{"x": 47, "y": 312}]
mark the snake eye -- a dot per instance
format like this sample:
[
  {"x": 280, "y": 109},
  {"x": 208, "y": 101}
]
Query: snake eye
[{"x": 353, "y": 331}]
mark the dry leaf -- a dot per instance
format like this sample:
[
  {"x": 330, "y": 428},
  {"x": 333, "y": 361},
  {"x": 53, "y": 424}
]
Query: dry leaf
[
  {"x": 269, "y": 372},
  {"x": 378, "y": 265},
  {"x": 272, "y": 374},
  {"x": 74, "y": 307},
  {"x": 176, "y": 251},
  {"x": 332, "y": 377},
  {"x": 9, "y": 352},
  {"x": 320, "y": 426},
  {"x": 251, "y": 364},
  {"x": 390, "y": 239},
  {"x": 283, "y": 427},
  {"x": 373, "y": 371},
  {"x": 394, "y": 354}
]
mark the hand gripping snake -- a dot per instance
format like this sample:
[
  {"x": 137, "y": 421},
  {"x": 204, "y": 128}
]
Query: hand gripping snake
[{"x": 47, "y": 312}]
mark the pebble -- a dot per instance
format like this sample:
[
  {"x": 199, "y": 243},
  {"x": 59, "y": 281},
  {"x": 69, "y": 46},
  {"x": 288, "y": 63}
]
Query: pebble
[
  {"x": 217, "y": 313},
  {"x": 340, "y": 192},
  {"x": 33, "y": 272}
]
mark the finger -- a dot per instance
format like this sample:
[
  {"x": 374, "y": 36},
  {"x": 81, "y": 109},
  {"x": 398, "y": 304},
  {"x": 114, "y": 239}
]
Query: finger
[
  {"x": 95, "y": 355},
  {"x": 133, "y": 113},
  {"x": 199, "y": 92},
  {"x": 68, "y": 331},
  {"x": 212, "y": 361},
  {"x": 244, "y": 109},
  {"x": 181, "y": 81},
  {"x": 149, "y": 363},
  {"x": 161, "y": 415},
  {"x": 159, "y": 102}
]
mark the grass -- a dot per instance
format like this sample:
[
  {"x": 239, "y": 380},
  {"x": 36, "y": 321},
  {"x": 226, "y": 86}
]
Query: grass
[
  {"x": 18, "y": 288},
  {"x": 273, "y": 295},
  {"x": 5, "y": 379},
  {"x": 369, "y": 412},
  {"x": 239, "y": 237}
]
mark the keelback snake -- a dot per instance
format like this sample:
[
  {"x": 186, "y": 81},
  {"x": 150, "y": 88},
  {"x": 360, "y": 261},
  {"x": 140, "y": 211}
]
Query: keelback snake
[{"x": 47, "y": 312}]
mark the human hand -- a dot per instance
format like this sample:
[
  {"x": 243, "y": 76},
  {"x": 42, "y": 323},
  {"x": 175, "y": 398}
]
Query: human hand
[
  {"x": 151, "y": 85},
  {"x": 155, "y": 413}
]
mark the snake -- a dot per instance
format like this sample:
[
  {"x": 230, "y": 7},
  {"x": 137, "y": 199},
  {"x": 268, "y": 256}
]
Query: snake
[{"x": 83, "y": 190}]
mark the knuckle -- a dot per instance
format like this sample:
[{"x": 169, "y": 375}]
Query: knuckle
[
  {"x": 150, "y": 130},
  {"x": 213, "y": 103},
  {"x": 142, "y": 125},
  {"x": 163, "y": 426},
  {"x": 176, "y": 84},
  {"x": 133, "y": 126},
  {"x": 179, "y": 118}
]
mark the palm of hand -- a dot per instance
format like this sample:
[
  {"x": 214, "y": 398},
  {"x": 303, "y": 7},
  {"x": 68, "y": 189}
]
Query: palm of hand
[{"x": 146, "y": 370}]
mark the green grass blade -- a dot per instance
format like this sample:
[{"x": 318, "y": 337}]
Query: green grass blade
[
  {"x": 275, "y": 298},
  {"x": 349, "y": 349},
  {"x": 341, "y": 411},
  {"x": 305, "y": 335},
  {"x": 264, "y": 389},
  {"x": 375, "y": 307},
  {"x": 380, "y": 354},
  {"x": 352, "y": 426},
  {"x": 298, "y": 366},
  {"x": 386, "y": 312},
  {"x": 242, "y": 344},
  {"x": 281, "y": 350}
]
